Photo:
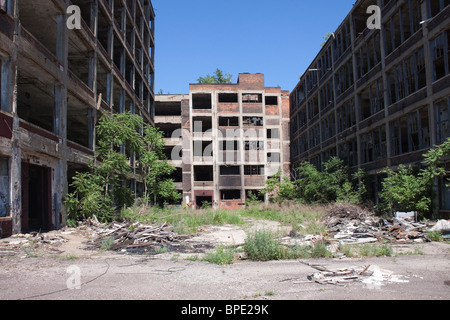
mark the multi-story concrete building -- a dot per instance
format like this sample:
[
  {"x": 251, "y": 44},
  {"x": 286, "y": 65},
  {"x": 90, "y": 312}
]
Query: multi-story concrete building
[
  {"x": 55, "y": 80},
  {"x": 226, "y": 139},
  {"x": 377, "y": 97}
]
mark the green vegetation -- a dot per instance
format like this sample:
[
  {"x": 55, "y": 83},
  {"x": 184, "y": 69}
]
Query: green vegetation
[
  {"x": 217, "y": 77},
  {"x": 105, "y": 187}
]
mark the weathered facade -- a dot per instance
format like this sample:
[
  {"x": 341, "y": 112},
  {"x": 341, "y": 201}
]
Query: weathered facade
[
  {"x": 55, "y": 81},
  {"x": 225, "y": 139},
  {"x": 377, "y": 97}
]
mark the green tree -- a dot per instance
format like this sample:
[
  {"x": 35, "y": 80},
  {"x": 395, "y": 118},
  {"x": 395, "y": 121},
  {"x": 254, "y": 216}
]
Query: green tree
[
  {"x": 280, "y": 188},
  {"x": 409, "y": 189},
  {"x": 104, "y": 188},
  {"x": 334, "y": 183},
  {"x": 217, "y": 77}
]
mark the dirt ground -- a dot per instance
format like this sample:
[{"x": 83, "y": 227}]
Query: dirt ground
[{"x": 68, "y": 271}]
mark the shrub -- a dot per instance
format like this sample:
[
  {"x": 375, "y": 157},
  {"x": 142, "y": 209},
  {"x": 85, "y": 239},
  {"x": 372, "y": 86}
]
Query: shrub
[
  {"x": 221, "y": 256},
  {"x": 262, "y": 246}
]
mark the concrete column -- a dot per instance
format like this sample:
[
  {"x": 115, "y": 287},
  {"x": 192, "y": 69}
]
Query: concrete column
[{"x": 16, "y": 153}]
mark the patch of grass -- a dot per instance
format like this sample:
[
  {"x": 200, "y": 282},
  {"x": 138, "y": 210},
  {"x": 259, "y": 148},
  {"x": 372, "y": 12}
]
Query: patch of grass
[
  {"x": 262, "y": 246},
  {"x": 376, "y": 250},
  {"x": 107, "y": 244},
  {"x": 221, "y": 256},
  {"x": 435, "y": 236}
]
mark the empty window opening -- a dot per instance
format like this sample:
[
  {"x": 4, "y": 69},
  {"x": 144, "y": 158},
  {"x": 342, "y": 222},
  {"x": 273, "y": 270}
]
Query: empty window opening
[
  {"x": 253, "y": 195},
  {"x": 273, "y": 157},
  {"x": 203, "y": 173},
  {"x": 349, "y": 153},
  {"x": 373, "y": 145},
  {"x": 203, "y": 149},
  {"x": 201, "y": 101},
  {"x": 271, "y": 100},
  {"x": 177, "y": 175},
  {"x": 229, "y": 145},
  {"x": 254, "y": 170},
  {"x": 273, "y": 133},
  {"x": 230, "y": 194},
  {"x": 230, "y": 170},
  {"x": 228, "y": 98},
  {"x": 253, "y": 121},
  {"x": 36, "y": 100},
  {"x": 203, "y": 201},
  {"x": 80, "y": 122},
  {"x": 168, "y": 109},
  {"x": 440, "y": 56},
  {"x": 254, "y": 145},
  {"x": 442, "y": 110},
  {"x": 251, "y": 98},
  {"x": 228, "y": 121},
  {"x": 202, "y": 124},
  {"x": 169, "y": 130}
]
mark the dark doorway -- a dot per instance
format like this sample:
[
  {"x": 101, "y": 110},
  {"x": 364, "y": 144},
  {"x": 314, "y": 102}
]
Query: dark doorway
[
  {"x": 36, "y": 198},
  {"x": 203, "y": 202}
]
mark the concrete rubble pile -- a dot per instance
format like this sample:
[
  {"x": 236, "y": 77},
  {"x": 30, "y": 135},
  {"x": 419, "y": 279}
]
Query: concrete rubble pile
[
  {"x": 127, "y": 235},
  {"x": 351, "y": 224},
  {"x": 29, "y": 242}
]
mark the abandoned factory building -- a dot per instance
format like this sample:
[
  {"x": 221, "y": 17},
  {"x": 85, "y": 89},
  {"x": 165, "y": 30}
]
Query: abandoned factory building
[
  {"x": 54, "y": 83},
  {"x": 225, "y": 139},
  {"x": 377, "y": 97}
]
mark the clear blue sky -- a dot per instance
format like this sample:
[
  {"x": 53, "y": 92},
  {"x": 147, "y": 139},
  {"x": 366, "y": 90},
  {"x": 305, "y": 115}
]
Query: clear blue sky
[{"x": 277, "y": 38}]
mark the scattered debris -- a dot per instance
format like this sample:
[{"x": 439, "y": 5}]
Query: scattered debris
[
  {"x": 372, "y": 276},
  {"x": 128, "y": 235},
  {"x": 351, "y": 224}
]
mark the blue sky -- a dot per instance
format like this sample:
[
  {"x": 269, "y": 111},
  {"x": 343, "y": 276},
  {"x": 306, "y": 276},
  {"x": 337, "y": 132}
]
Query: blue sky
[{"x": 277, "y": 38}]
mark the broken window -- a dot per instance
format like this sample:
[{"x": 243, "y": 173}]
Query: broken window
[
  {"x": 373, "y": 145},
  {"x": 253, "y": 121},
  {"x": 273, "y": 133},
  {"x": 4, "y": 187},
  {"x": 313, "y": 107},
  {"x": 440, "y": 56},
  {"x": 326, "y": 95},
  {"x": 229, "y": 145},
  {"x": 344, "y": 78},
  {"x": 436, "y": 6},
  {"x": 346, "y": 116},
  {"x": 203, "y": 173},
  {"x": 349, "y": 152},
  {"x": 228, "y": 98},
  {"x": 230, "y": 170},
  {"x": 273, "y": 157},
  {"x": 442, "y": 111},
  {"x": 252, "y": 98},
  {"x": 203, "y": 148},
  {"x": 202, "y": 124},
  {"x": 372, "y": 99},
  {"x": 271, "y": 100},
  {"x": 407, "y": 77},
  {"x": 328, "y": 127},
  {"x": 369, "y": 55},
  {"x": 201, "y": 101},
  {"x": 254, "y": 170},
  {"x": 230, "y": 194},
  {"x": 314, "y": 136},
  {"x": 253, "y": 145},
  {"x": 303, "y": 143},
  {"x": 228, "y": 122}
]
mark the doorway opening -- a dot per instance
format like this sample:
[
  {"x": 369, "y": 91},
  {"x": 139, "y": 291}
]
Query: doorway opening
[{"x": 36, "y": 198}]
